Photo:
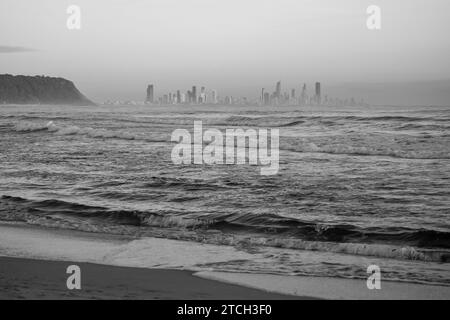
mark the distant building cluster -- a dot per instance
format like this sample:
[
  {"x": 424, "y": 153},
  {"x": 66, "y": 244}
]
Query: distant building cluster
[
  {"x": 189, "y": 97},
  {"x": 302, "y": 97},
  {"x": 292, "y": 97}
]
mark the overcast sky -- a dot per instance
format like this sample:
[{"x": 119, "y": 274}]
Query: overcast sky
[{"x": 235, "y": 46}]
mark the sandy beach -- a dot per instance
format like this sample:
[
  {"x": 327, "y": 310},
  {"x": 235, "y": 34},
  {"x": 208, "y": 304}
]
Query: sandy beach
[
  {"x": 52, "y": 251},
  {"x": 41, "y": 279}
]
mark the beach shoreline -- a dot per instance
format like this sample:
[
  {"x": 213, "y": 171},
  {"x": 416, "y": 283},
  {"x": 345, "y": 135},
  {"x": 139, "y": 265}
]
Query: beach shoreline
[{"x": 34, "y": 261}]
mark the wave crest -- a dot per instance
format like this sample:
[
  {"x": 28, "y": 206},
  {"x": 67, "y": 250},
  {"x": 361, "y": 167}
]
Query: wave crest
[
  {"x": 258, "y": 230},
  {"x": 73, "y": 130}
]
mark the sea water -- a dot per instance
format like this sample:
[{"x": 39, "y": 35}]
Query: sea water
[{"x": 356, "y": 186}]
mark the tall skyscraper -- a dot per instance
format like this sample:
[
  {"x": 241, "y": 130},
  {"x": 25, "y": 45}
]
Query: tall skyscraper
[
  {"x": 214, "y": 96},
  {"x": 203, "y": 95},
  {"x": 262, "y": 96},
  {"x": 278, "y": 90},
  {"x": 303, "y": 96},
  {"x": 266, "y": 98},
  {"x": 178, "y": 96},
  {"x": 150, "y": 95},
  {"x": 194, "y": 94},
  {"x": 318, "y": 93}
]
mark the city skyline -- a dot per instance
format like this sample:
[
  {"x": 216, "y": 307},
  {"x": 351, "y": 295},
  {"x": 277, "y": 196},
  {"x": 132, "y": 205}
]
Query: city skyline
[{"x": 275, "y": 98}]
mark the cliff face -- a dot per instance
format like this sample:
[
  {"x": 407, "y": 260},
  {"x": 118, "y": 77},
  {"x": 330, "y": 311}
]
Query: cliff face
[{"x": 39, "y": 90}]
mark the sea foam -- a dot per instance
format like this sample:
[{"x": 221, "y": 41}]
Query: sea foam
[{"x": 74, "y": 130}]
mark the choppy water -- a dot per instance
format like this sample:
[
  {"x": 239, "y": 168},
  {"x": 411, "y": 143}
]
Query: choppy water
[{"x": 355, "y": 186}]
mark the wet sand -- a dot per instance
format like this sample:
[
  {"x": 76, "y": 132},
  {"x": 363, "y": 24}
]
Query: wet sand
[{"x": 42, "y": 279}]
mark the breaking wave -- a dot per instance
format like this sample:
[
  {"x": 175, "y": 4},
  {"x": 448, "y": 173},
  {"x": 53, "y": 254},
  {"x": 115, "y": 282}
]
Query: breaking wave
[
  {"x": 260, "y": 230},
  {"x": 83, "y": 131}
]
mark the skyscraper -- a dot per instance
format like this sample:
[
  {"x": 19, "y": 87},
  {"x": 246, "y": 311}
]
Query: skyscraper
[
  {"x": 266, "y": 98},
  {"x": 214, "y": 96},
  {"x": 278, "y": 90},
  {"x": 303, "y": 96},
  {"x": 203, "y": 96},
  {"x": 149, "y": 93},
  {"x": 318, "y": 94},
  {"x": 194, "y": 94},
  {"x": 178, "y": 96}
]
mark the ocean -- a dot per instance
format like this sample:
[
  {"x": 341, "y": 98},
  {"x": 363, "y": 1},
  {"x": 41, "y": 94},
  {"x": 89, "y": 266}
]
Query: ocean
[{"x": 356, "y": 186}]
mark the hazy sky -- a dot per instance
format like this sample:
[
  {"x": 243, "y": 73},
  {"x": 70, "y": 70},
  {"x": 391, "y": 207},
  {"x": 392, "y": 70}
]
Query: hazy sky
[{"x": 235, "y": 46}]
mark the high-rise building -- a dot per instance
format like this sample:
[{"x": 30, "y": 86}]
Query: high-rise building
[
  {"x": 292, "y": 93},
  {"x": 303, "y": 96},
  {"x": 178, "y": 96},
  {"x": 262, "y": 96},
  {"x": 278, "y": 90},
  {"x": 266, "y": 98},
  {"x": 214, "y": 96},
  {"x": 318, "y": 93},
  {"x": 194, "y": 94},
  {"x": 203, "y": 95},
  {"x": 150, "y": 96}
]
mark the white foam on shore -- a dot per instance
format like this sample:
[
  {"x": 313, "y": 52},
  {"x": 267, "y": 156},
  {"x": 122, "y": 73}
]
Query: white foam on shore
[{"x": 330, "y": 288}]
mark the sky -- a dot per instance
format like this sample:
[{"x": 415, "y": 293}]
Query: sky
[{"x": 234, "y": 46}]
